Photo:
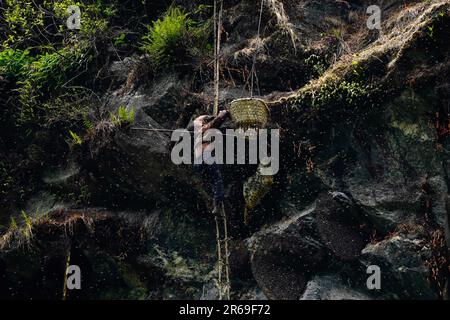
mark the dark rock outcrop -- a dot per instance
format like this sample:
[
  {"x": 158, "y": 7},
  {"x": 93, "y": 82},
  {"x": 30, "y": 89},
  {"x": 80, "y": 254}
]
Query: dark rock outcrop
[
  {"x": 404, "y": 273},
  {"x": 363, "y": 178}
]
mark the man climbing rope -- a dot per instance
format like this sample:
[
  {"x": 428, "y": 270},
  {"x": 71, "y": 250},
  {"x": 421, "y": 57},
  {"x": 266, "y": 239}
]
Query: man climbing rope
[
  {"x": 203, "y": 150},
  {"x": 211, "y": 171}
]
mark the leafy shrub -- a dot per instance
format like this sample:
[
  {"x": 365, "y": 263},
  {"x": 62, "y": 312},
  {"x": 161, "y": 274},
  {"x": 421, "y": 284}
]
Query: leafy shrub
[
  {"x": 50, "y": 70},
  {"x": 21, "y": 17},
  {"x": 175, "y": 38},
  {"x": 25, "y": 20},
  {"x": 13, "y": 63},
  {"x": 46, "y": 76},
  {"x": 95, "y": 15}
]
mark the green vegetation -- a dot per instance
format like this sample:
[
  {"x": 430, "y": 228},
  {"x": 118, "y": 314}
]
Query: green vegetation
[
  {"x": 31, "y": 21},
  {"x": 50, "y": 70},
  {"x": 47, "y": 76},
  {"x": 123, "y": 117},
  {"x": 49, "y": 84},
  {"x": 75, "y": 139},
  {"x": 21, "y": 17},
  {"x": 120, "y": 40},
  {"x": 344, "y": 94},
  {"x": 175, "y": 38},
  {"x": 430, "y": 31},
  {"x": 88, "y": 125},
  {"x": 17, "y": 236},
  {"x": 13, "y": 63},
  {"x": 28, "y": 226},
  {"x": 80, "y": 196},
  {"x": 13, "y": 224},
  {"x": 317, "y": 64},
  {"x": 42, "y": 56}
]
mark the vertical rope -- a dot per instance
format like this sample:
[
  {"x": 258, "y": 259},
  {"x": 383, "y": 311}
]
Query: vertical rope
[
  {"x": 252, "y": 76},
  {"x": 67, "y": 264},
  {"x": 217, "y": 39},
  {"x": 223, "y": 288},
  {"x": 215, "y": 52},
  {"x": 219, "y": 258}
]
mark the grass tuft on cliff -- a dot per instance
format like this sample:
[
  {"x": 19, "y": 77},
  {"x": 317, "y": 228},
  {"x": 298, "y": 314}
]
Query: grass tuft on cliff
[{"x": 175, "y": 38}]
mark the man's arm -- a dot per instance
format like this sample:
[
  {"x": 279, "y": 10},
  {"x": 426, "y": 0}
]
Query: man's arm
[{"x": 217, "y": 122}]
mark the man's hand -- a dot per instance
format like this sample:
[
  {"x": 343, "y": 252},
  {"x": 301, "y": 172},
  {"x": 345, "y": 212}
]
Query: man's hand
[
  {"x": 223, "y": 113},
  {"x": 216, "y": 123}
]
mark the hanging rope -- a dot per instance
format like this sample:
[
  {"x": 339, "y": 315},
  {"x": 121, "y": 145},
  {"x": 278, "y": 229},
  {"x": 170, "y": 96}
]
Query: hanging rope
[
  {"x": 253, "y": 70},
  {"x": 68, "y": 255},
  {"x": 215, "y": 53},
  {"x": 217, "y": 40}
]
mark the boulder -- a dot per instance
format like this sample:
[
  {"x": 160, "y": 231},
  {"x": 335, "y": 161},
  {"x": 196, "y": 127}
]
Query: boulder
[
  {"x": 404, "y": 274},
  {"x": 341, "y": 226},
  {"x": 284, "y": 255},
  {"x": 282, "y": 265},
  {"x": 331, "y": 287}
]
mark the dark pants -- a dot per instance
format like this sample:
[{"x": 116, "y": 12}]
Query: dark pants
[{"x": 212, "y": 173}]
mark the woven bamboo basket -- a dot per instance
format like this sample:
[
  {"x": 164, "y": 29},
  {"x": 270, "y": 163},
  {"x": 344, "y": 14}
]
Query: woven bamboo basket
[{"x": 249, "y": 113}]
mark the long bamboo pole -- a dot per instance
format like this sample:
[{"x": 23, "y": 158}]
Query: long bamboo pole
[
  {"x": 217, "y": 39},
  {"x": 67, "y": 264}
]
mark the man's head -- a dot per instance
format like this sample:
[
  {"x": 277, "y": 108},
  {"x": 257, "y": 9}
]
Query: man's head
[{"x": 201, "y": 120}]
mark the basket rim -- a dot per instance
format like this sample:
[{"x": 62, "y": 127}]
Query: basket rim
[{"x": 252, "y": 99}]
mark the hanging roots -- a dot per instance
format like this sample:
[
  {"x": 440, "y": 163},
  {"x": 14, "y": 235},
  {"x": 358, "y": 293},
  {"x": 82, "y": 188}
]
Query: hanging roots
[{"x": 277, "y": 9}]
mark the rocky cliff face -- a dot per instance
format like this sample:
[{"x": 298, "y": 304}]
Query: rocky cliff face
[{"x": 363, "y": 180}]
